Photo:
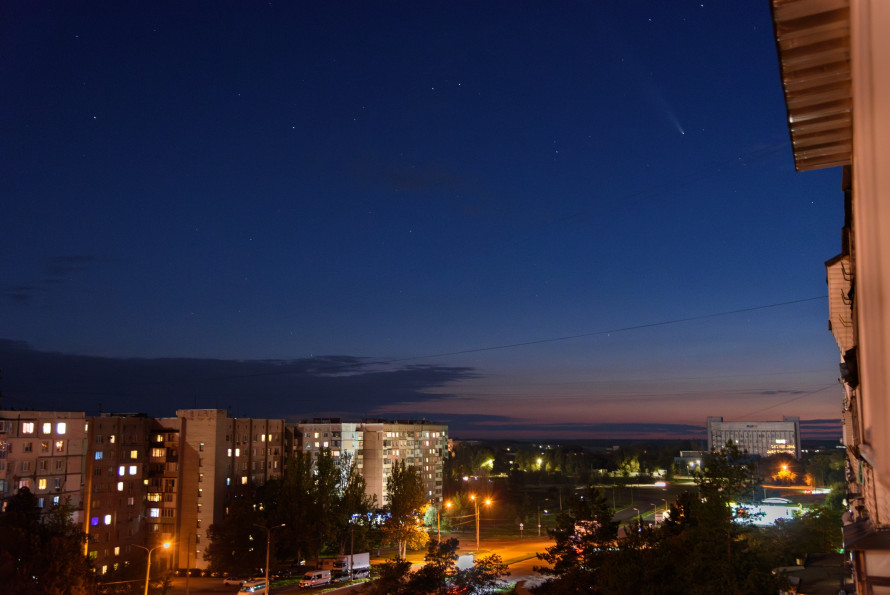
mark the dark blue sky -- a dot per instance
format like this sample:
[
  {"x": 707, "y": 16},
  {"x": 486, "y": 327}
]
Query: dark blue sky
[{"x": 371, "y": 183}]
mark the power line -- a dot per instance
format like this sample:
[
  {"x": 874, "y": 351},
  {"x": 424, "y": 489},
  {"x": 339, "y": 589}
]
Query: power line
[{"x": 607, "y": 332}]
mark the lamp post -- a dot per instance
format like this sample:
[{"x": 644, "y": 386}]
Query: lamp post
[
  {"x": 665, "y": 504},
  {"x": 447, "y": 506},
  {"x": 639, "y": 518},
  {"x": 268, "y": 531},
  {"x": 166, "y": 545},
  {"x": 188, "y": 561},
  {"x": 476, "y": 503}
]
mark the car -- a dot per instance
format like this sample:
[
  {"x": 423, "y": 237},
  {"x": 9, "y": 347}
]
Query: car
[
  {"x": 235, "y": 581},
  {"x": 361, "y": 573},
  {"x": 257, "y": 586}
]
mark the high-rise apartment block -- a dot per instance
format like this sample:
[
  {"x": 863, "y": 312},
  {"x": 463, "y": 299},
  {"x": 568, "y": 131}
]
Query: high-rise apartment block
[{"x": 376, "y": 445}]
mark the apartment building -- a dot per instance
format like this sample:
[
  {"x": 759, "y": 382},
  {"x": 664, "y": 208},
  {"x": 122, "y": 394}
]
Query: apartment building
[
  {"x": 44, "y": 452},
  {"x": 217, "y": 457},
  {"x": 761, "y": 438},
  {"x": 833, "y": 57},
  {"x": 376, "y": 445},
  {"x": 114, "y": 490}
]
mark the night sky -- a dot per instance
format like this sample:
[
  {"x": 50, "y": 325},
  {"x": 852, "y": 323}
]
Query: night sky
[{"x": 528, "y": 219}]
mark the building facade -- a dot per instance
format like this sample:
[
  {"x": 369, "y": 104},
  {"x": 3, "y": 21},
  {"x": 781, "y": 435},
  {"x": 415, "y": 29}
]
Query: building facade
[
  {"x": 217, "y": 458},
  {"x": 832, "y": 57},
  {"x": 376, "y": 445},
  {"x": 762, "y": 438},
  {"x": 44, "y": 452}
]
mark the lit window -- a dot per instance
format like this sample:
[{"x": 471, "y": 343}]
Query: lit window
[
  {"x": 61, "y": 427},
  {"x": 117, "y": 551},
  {"x": 41, "y": 484},
  {"x": 107, "y": 519},
  {"x": 60, "y": 445},
  {"x": 237, "y": 452},
  {"x": 244, "y": 480},
  {"x": 134, "y": 454},
  {"x": 98, "y": 455},
  {"x": 104, "y": 568},
  {"x": 262, "y": 438},
  {"x": 157, "y": 452},
  {"x": 111, "y": 439},
  {"x": 120, "y": 486},
  {"x": 154, "y": 512},
  {"x": 94, "y": 521},
  {"x": 324, "y": 444},
  {"x": 47, "y": 427},
  {"x": 56, "y": 503},
  {"x": 27, "y": 427},
  {"x": 228, "y": 481},
  {"x": 153, "y": 497},
  {"x": 132, "y": 469},
  {"x": 229, "y": 452},
  {"x": 316, "y": 435},
  {"x": 121, "y": 471}
]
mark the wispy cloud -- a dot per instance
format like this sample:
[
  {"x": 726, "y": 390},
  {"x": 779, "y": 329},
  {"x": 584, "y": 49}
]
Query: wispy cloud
[{"x": 58, "y": 270}]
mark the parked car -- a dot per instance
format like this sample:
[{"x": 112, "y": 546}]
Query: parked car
[
  {"x": 257, "y": 586},
  {"x": 235, "y": 581},
  {"x": 315, "y": 578}
]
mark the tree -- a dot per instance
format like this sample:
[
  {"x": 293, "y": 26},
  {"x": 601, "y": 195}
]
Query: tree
[
  {"x": 406, "y": 499},
  {"x": 584, "y": 534},
  {"x": 484, "y": 576},
  {"x": 392, "y": 580},
  {"x": 351, "y": 504},
  {"x": 441, "y": 565},
  {"x": 42, "y": 553},
  {"x": 705, "y": 546},
  {"x": 237, "y": 545}
]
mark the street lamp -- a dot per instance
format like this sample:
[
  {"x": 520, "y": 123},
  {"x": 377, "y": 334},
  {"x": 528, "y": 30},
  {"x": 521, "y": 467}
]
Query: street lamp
[
  {"x": 268, "y": 531},
  {"x": 639, "y": 518},
  {"x": 166, "y": 545},
  {"x": 188, "y": 561},
  {"x": 476, "y": 503},
  {"x": 665, "y": 504}
]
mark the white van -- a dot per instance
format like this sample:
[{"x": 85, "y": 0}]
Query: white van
[
  {"x": 253, "y": 587},
  {"x": 315, "y": 578}
]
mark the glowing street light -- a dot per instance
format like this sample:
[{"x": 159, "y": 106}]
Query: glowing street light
[
  {"x": 166, "y": 545},
  {"x": 268, "y": 531},
  {"x": 476, "y": 503}
]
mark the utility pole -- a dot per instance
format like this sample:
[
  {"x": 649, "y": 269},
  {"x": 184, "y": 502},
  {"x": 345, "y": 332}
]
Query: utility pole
[
  {"x": 539, "y": 520},
  {"x": 188, "y": 561}
]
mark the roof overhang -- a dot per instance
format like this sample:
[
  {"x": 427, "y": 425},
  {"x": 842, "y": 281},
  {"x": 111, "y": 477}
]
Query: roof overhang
[{"x": 813, "y": 42}]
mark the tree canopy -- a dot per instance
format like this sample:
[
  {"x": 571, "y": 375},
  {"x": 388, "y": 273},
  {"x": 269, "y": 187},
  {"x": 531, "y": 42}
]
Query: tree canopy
[
  {"x": 42, "y": 552},
  {"x": 406, "y": 500}
]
